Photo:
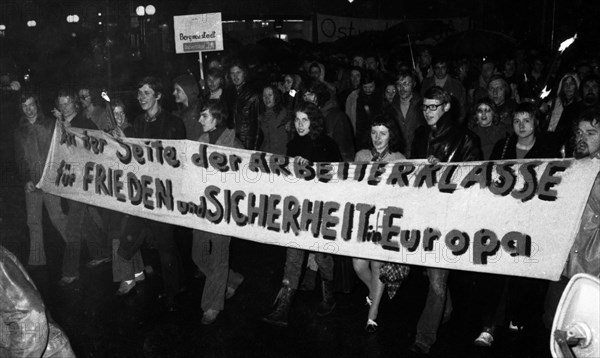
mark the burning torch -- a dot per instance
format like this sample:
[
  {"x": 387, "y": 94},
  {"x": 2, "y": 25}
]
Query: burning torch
[
  {"x": 116, "y": 130},
  {"x": 555, "y": 64}
]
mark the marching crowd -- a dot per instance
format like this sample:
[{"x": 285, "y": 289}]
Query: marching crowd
[{"x": 441, "y": 110}]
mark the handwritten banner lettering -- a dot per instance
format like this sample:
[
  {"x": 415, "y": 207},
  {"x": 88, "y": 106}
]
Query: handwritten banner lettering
[{"x": 511, "y": 217}]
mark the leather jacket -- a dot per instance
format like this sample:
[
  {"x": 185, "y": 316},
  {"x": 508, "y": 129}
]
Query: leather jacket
[
  {"x": 26, "y": 329},
  {"x": 447, "y": 141},
  {"x": 244, "y": 115}
]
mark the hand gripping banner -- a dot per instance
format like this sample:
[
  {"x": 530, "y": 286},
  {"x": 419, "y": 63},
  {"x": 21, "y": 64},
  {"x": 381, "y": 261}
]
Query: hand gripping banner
[{"x": 515, "y": 217}]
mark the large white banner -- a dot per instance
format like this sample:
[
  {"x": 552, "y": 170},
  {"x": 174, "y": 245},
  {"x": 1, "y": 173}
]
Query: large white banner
[{"x": 510, "y": 217}]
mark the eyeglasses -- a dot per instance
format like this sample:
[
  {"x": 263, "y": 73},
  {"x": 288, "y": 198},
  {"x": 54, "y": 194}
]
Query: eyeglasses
[
  {"x": 404, "y": 84},
  {"x": 432, "y": 107},
  {"x": 390, "y": 91},
  {"x": 64, "y": 105},
  {"x": 84, "y": 97}
]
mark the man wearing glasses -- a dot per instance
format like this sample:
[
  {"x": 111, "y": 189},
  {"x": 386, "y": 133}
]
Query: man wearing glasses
[
  {"x": 442, "y": 140},
  {"x": 453, "y": 86},
  {"x": 406, "y": 107}
]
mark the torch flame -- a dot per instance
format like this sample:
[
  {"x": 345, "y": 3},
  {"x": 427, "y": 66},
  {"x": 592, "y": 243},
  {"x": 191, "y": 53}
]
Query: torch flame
[
  {"x": 545, "y": 92},
  {"x": 566, "y": 43},
  {"x": 105, "y": 96}
]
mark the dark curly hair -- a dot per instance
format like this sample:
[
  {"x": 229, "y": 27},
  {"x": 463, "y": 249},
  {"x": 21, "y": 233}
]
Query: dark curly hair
[
  {"x": 315, "y": 116},
  {"x": 487, "y": 101},
  {"x": 396, "y": 143}
]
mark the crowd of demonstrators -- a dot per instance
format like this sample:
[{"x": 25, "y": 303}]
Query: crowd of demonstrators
[{"x": 360, "y": 112}]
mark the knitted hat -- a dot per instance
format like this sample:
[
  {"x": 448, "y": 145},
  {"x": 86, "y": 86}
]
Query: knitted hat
[{"x": 189, "y": 85}]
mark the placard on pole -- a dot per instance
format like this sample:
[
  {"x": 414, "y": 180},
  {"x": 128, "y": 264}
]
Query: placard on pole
[{"x": 198, "y": 33}]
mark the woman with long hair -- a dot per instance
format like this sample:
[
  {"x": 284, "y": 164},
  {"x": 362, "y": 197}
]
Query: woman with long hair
[
  {"x": 310, "y": 143},
  {"x": 385, "y": 147},
  {"x": 273, "y": 120}
]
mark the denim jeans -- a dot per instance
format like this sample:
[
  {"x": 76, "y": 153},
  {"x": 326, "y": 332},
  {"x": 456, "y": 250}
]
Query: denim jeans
[
  {"x": 437, "y": 307},
  {"x": 293, "y": 266},
  {"x": 210, "y": 253},
  {"x": 170, "y": 262},
  {"x": 35, "y": 202},
  {"x": 82, "y": 223}
]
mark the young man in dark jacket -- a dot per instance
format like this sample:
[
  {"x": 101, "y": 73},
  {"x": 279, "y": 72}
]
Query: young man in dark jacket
[
  {"x": 157, "y": 123},
  {"x": 243, "y": 102},
  {"x": 32, "y": 142},
  {"x": 442, "y": 140}
]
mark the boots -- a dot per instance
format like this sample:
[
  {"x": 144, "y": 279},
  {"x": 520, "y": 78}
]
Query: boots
[
  {"x": 308, "y": 282},
  {"x": 328, "y": 303},
  {"x": 279, "y": 316}
]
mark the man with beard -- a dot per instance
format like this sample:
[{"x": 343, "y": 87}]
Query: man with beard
[
  {"x": 92, "y": 108},
  {"x": 368, "y": 105},
  {"x": 406, "y": 108},
  {"x": 590, "y": 88},
  {"x": 584, "y": 256}
]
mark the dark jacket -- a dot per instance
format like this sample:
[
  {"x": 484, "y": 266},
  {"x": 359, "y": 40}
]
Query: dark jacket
[
  {"x": 243, "y": 114},
  {"x": 456, "y": 90},
  {"x": 408, "y": 124},
  {"x": 189, "y": 116},
  {"x": 448, "y": 142},
  {"x": 321, "y": 149},
  {"x": 507, "y": 148},
  {"x": 226, "y": 139},
  {"x": 83, "y": 122},
  {"x": 135, "y": 229},
  {"x": 166, "y": 126},
  {"x": 367, "y": 108},
  {"x": 274, "y": 133},
  {"x": 32, "y": 142},
  {"x": 338, "y": 127}
]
